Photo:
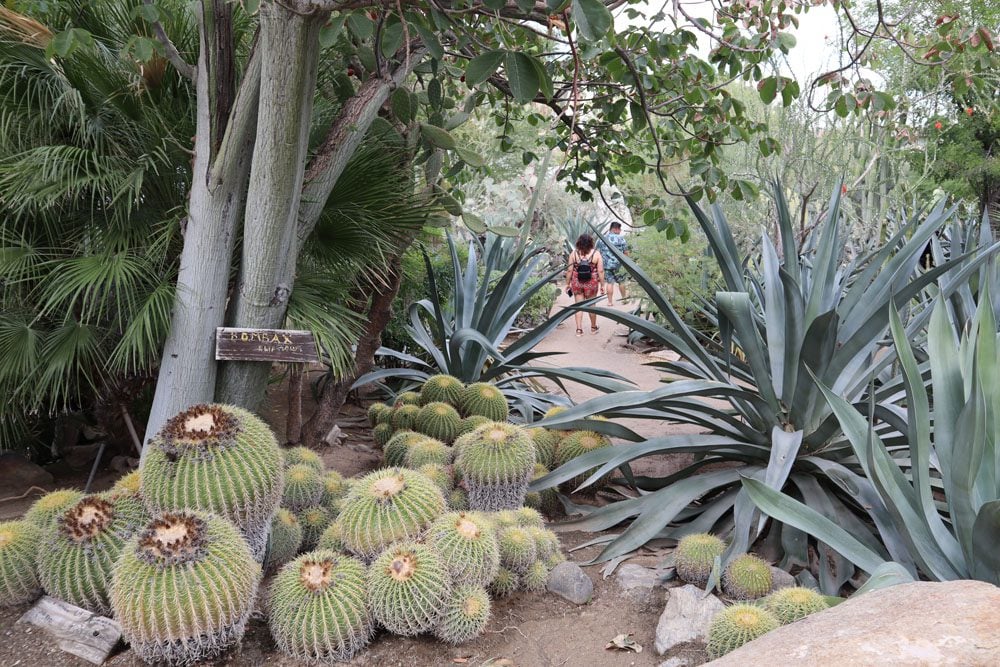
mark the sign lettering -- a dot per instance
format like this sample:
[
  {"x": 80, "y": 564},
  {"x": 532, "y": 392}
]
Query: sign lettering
[{"x": 286, "y": 345}]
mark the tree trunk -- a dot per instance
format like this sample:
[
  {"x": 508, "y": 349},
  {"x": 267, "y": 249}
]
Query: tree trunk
[
  {"x": 293, "y": 426},
  {"x": 215, "y": 205},
  {"x": 290, "y": 41},
  {"x": 335, "y": 392}
]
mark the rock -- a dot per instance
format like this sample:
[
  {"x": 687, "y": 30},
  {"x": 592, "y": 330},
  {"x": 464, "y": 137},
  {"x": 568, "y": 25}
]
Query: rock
[
  {"x": 18, "y": 474},
  {"x": 686, "y": 617},
  {"x": 675, "y": 661},
  {"x": 782, "y": 579},
  {"x": 920, "y": 623},
  {"x": 81, "y": 457},
  {"x": 123, "y": 464},
  {"x": 568, "y": 581},
  {"x": 640, "y": 584}
]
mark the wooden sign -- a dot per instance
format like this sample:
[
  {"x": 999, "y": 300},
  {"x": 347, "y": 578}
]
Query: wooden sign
[
  {"x": 75, "y": 630},
  {"x": 232, "y": 344}
]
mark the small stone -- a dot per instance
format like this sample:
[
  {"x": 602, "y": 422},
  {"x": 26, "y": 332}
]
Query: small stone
[
  {"x": 781, "y": 579},
  {"x": 568, "y": 581},
  {"x": 640, "y": 584},
  {"x": 686, "y": 617}
]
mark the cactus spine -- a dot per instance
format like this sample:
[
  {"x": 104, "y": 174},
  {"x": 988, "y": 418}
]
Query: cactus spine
[
  {"x": 468, "y": 545},
  {"x": 386, "y": 506},
  {"x": 19, "y": 545},
  {"x": 427, "y": 451},
  {"x": 379, "y": 413},
  {"x": 382, "y": 433},
  {"x": 695, "y": 557},
  {"x": 407, "y": 398},
  {"x": 82, "y": 548},
  {"x": 496, "y": 461},
  {"x": 440, "y": 421},
  {"x": 331, "y": 539},
  {"x": 790, "y": 604},
  {"x": 184, "y": 588},
  {"x": 485, "y": 400},
  {"x": 314, "y": 521},
  {"x": 219, "y": 459},
  {"x": 303, "y": 488},
  {"x": 394, "y": 451},
  {"x": 517, "y": 549},
  {"x": 405, "y": 417},
  {"x": 441, "y": 389},
  {"x": 536, "y": 577},
  {"x": 44, "y": 512},
  {"x": 408, "y": 588},
  {"x": 303, "y": 456},
  {"x": 546, "y": 444},
  {"x": 747, "y": 577},
  {"x": 577, "y": 444},
  {"x": 465, "y": 615},
  {"x": 317, "y": 607},
  {"x": 735, "y": 626},
  {"x": 505, "y": 583},
  {"x": 286, "y": 538}
]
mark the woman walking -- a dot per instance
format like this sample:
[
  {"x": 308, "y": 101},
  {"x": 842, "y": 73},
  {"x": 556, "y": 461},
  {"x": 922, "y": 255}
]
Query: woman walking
[{"x": 584, "y": 277}]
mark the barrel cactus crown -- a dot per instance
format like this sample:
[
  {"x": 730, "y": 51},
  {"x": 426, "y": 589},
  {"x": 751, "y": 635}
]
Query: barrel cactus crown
[
  {"x": 184, "y": 588},
  {"x": 303, "y": 456},
  {"x": 468, "y": 546},
  {"x": 219, "y": 459},
  {"x": 441, "y": 389},
  {"x": 80, "y": 550},
  {"x": 465, "y": 614},
  {"x": 440, "y": 421},
  {"x": 317, "y": 608},
  {"x": 332, "y": 538},
  {"x": 546, "y": 445},
  {"x": 735, "y": 626},
  {"x": 386, "y": 506},
  {"x": 379, "y": 413},
  {"x": 44, "y": 511},
  {"x": 747, "y": 577},
  {"x": 19, "y": 546},
  {"x": 458, "y": 500},
  {"x": 408, "y": 588},
  {"x": 695, "y": 557},
  {"x": 546, "y": 542},
  {"x": 286, "y": 538},
  {"x": 303, "y": 487},
  {"x": 536, "y": 577},
  {"x": 427, "y": 450},
  {"x": 482, "y": 398},
  {"x": 407, "y": 398},
  {"x": 314, "y": 521},
  {"x": 394, "y": 452},
  {"x": 405, "y": 417},
  {"x": 505, "y": 583},
  {"x": 791, "y": 604},
  {"x": 496, "y": 462},
  {"x": 130, "y": 483},
  {"x": 577, "y": 444}
]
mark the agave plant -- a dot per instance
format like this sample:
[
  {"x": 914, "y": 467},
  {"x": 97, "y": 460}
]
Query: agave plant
[
  {"x": 938, "y": 509},
  {"x": 798, "y": 321},
  {"x": 464, "y": 336}
]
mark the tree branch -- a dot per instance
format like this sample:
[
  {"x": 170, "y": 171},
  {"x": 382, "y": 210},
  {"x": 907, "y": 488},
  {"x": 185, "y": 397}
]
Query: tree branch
[{"x": 187, "y": 70}]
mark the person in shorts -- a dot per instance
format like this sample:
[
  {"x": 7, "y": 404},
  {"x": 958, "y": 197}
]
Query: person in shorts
[
  {"x": 585, "y": 277},
  {"x": 614, "y": 273}
]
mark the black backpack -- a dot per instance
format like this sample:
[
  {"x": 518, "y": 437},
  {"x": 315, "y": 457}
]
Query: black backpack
[{"x": 584, "y": 269}]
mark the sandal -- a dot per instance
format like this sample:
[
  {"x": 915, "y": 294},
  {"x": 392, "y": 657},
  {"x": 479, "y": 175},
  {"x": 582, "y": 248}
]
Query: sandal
[
  {"x": 579, "y": 332},
  {"x": 594, "y": 330}
]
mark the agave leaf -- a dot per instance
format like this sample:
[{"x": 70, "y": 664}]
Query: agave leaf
[
  {"x": 885, "y": 575},
  {"x": 985, "y": 537}
]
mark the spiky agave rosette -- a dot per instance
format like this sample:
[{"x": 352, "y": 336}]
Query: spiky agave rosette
[
  {"x": 318, "y": 608},
  {"x": 19, "y": 544},
  {"x": 465, "y": 614},
  {"x": 468, "y": 545},
  {"x": 386, "y": 506},
  {"x": 79, "y": 552},
  {"x": 220, "y": 459},
  {"x": 496, "y": 462},
  {"x": 408, "y": 588},
  {"x": 184, "y": 588}
]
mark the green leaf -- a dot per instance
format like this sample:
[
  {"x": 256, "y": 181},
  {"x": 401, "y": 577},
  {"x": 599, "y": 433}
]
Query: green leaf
[
  {"x": 638, "y": 116},
  {"x": 143, "y": 49},
  {"x": 495, "y": 5},
  {"x": 430, "y": 40},
  {"x": 471, "y": 157},
  {"x": 62, "y": 43},
  {"x": 790, "y": 511},
  {"x": 544, "y": 80},
  {"x": 328, "y": 33},
  {"x": 399, "y": 102},
  {"x": 437, "y": 136},
  {"x": 522, "y": 76},
  {"x": 474, "y": 222},
  {"x": 985, "y": 537},
  {"x": 148, "y": 13},
  {"x": 768, "y": 89},
  {"x": 482, "y": 67},
  {"x": 360, "y": 25},
  {"x": 592, "y": 19},
  {"x": 392, "y": 38},
  {"x": 450, "y": 204}
]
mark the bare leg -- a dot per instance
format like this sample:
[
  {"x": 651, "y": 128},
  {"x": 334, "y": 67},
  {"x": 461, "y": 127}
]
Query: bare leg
[
  {"x": 621, "y": 290},
  {"x": 593, "y": 322},
  {"x": 610, "y": 289},
  {"x": 578, "y": 315}
]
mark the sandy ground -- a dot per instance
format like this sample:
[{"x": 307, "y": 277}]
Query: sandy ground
[{"x": 526, "y": 629}]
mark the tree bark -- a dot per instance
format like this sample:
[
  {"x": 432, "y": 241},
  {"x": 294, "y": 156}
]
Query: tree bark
[
  {"x": 290, "y": 41},
  {"x": 335, "y": 392},
  {"x": 215, "y": 205},
  {"x": 293, "y": 427}
]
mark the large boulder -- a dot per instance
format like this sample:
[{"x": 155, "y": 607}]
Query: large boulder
[
  {"x": 922, "y": 623},
  {"x": 18, "y": 474},
  {"x": 685, "y": 618}
]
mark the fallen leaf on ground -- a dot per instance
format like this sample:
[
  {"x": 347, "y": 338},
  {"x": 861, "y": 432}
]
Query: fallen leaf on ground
[{"x": 624, "y": 643}]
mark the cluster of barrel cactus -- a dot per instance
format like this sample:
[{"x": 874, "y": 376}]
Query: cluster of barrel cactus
[{"x": 556, "y": 447}]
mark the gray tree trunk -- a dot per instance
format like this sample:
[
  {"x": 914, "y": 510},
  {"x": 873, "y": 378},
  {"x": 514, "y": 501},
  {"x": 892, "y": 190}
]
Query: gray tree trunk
[
  {"x": 215, "y": 207},
  {"x": 290, "y": 41}
]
